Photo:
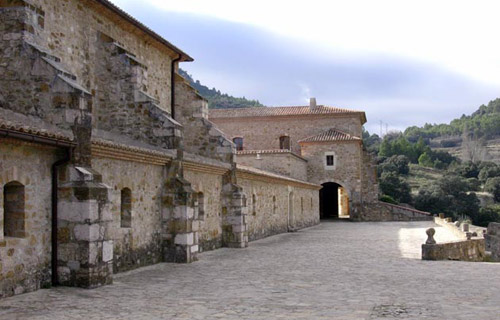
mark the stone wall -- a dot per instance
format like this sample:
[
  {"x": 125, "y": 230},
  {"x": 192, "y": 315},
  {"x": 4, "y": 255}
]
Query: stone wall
[
  {"x": 70, "y": 30},
  {"x": 139, "y": 244},
  {"x": 25, "y": 261},
  {"x": 201, "y": 136},
  {"x": 263, "y": 133},
  {"x": 347, "y": 169},
  {"x": 209, "y": 207},
  {"x": 382, "y": 211},
  {"x": 468, "y": 250},
  {"x": 283, "y": 163},
  {"x": 492, "y": 238},
  {"x": 277, "y": 205}
]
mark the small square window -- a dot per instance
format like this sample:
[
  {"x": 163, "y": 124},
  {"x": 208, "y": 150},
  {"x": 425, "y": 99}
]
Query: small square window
[{"x": 330, "y": 160}]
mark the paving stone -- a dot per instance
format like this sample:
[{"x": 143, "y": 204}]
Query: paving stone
[{"x": 337, "y": 270}]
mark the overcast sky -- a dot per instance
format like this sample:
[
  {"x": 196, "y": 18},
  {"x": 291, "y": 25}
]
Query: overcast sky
[{"x": 403, "y": 62}]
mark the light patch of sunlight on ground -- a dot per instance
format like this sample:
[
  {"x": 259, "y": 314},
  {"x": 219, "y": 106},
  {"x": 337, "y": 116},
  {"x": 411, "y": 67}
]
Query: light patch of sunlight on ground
[{"x": 410, "y": 240}]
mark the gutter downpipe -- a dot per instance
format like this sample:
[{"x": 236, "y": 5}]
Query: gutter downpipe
[
  {"x": 55, "y": 187},
  {"x": 172, "y": 86}
]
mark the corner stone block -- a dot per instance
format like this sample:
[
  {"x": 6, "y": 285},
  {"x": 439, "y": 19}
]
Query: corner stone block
[
  {"x": 107, "y": 251},
  {"x": 87, "y": 232},
  {"x": 184, "y": 239},
  {"x": 184, "y": 212},
  {"x": 74, "y": 211}
]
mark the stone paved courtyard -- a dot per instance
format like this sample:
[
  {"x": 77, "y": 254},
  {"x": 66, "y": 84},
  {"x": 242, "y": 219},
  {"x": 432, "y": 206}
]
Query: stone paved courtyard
[{"x": 337, "y": 270}]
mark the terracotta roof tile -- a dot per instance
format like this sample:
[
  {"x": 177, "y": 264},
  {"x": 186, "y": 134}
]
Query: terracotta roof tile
[
  {"x": 269, "y": 151},
  {"x": 276, "y": 111},
  {"x": 22, "y": 128},
  {"x": 331, "y": 135}
]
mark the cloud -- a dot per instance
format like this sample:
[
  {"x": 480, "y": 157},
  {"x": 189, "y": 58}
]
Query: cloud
[{"x": 245, "y": 60}]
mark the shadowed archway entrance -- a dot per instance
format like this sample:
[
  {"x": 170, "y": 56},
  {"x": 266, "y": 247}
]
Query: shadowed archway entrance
[{"x": 333, "y": 201}]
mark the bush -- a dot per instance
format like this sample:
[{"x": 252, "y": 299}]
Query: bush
[
  {"x": 488, "y": 170},
  {"x": 392, "y": 185},
  {"x": 388, "y": 199},
  {"x": 487, "y": 215},
  {"x": 493, "y": 186},
  {"x": 473, "y": 184},
  {"x": 396, "y": 164}
]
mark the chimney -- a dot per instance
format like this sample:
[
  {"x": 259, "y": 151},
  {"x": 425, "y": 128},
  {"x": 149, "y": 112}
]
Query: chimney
[{"x": 312, "y": 103}]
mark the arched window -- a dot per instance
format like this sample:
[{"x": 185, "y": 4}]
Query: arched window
[
  {"x": 238, "y": 141},
  {"x": 201, "y": 206},
  {"x": 13, "y": 208},
  {"x": 274, "y": 204},
  {"x": 126, "y": 208},
  {"x": 285, "y": 143},
  {"x": 254, "y": 204}
]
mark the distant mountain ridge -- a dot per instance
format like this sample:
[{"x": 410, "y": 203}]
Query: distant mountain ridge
[{"x": 216, "y": 99}]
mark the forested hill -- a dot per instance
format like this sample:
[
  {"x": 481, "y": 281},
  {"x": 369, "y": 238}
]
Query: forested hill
[
  {"x": 215, "y": 98},
  {"x": 483, "y": 123}
]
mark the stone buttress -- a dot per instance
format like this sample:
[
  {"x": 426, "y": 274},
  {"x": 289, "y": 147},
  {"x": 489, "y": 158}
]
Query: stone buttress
[
  {"x": 179, "y": 217},
  {"x": 234, "y": 226}
]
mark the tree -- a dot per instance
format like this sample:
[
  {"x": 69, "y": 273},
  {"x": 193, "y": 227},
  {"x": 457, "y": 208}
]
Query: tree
[
  {"x": 493, "y": 186},
  {"x": 392, "y": 185},
  {"x": 425, "y": 160}
]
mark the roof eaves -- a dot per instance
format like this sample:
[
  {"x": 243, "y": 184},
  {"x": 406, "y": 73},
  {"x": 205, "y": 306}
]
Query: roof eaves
[{"x": 117, "y": 10}]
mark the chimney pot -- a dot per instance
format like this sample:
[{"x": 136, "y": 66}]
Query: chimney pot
[{"x": 312, "y": 103}]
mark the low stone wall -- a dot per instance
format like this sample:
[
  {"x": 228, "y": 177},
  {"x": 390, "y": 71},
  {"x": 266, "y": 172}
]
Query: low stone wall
[
  {"x": 459, "y": 230},
  {"x": 492, "y": 239},
  {"x": 382, "y": 211},
  {"x": 468, "y": 250}
]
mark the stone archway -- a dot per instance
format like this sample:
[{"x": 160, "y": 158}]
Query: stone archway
[{"x": 333, "y": 201}]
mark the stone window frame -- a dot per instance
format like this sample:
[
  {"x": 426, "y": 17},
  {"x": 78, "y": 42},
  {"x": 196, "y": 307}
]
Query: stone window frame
[
  {"x": 126, "y": 208},
  {"x": 7, "y": 219},
  {"x": 284, "y": 142},
  {"x": 325, "y": 159},
  {"x": 239, "y": 146}
]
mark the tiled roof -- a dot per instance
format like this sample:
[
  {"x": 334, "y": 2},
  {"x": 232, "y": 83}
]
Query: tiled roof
[
  {"x": 331, "y": 135},
  {"x": 269, "y": 151},
  {"x": 263, "y": 151},
  {"x": 31, "y": 130},
  {"x": 277, "y": 111}
]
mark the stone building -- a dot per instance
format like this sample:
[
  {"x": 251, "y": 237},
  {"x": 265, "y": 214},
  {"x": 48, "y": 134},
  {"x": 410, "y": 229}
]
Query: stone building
[
  {"x": 109, "y": 160},
  {"x": 316, "y": 143}
]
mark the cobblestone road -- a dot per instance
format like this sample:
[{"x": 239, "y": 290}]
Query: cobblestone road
[{"x": 338, "y": 270}]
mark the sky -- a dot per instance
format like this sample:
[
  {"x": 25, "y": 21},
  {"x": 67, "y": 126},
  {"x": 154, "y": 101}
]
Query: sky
[{"x": 402, "y": 62}]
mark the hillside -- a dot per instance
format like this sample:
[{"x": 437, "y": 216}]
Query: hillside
[
  {"x": 216, "y": 99},
  {"x": 475, "y": 137}
]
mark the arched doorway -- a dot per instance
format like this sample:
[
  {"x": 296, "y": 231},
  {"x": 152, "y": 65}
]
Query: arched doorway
[{"x": 333, "y": 201}]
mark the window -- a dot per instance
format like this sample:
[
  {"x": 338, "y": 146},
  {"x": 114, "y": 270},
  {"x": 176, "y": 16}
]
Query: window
[
  {"x": 126, "y": 208},
  {"x": 285, "y": 143},
  {"x": 239, "y": 143},
  {"x": 302, "y": 205},
  {"x": 254, "y": 204},
  {"x": 201, "y": 206},
  {"x": 274, "y": 204},
  {"x": 13, "y": 208},
  {"x": 330, "y": 161}
]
